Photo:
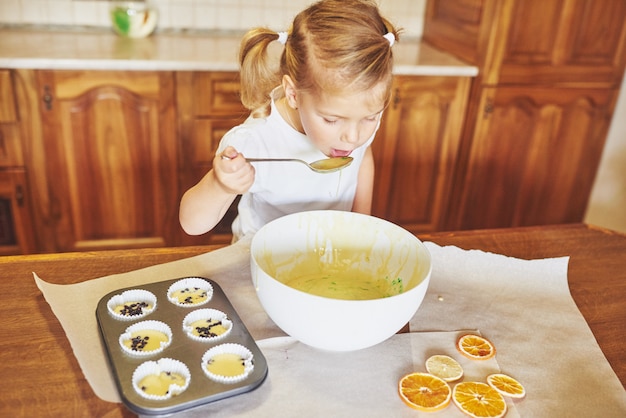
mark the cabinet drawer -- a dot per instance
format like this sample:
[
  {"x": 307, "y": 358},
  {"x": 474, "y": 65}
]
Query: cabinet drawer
[
  {"x": 8, "y": 112},
  {"x": 217, "y": 94},
  {"x": 206, "y": 137}
]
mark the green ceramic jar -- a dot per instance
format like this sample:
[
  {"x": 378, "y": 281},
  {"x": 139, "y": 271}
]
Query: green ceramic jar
[{"x": 133, "y": 19}]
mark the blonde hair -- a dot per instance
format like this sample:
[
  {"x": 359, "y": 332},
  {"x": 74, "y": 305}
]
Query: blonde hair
[{"x": 332, "y": 46}]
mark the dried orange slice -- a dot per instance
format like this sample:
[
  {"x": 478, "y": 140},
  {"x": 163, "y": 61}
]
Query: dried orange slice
[
  {"x": 424, "y": 392},
  {"x": 444, "y": 367},
  {"x": 506, "y": 385},
  {"x": 476, "y": 347},
  {"x": 478, "y": 400}
]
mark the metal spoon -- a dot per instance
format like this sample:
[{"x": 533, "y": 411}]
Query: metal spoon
[{"x": 326, "y": 165}]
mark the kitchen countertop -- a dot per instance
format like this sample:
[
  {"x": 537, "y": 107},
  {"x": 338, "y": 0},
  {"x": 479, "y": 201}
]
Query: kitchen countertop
[{"x": 34, "y": 48}]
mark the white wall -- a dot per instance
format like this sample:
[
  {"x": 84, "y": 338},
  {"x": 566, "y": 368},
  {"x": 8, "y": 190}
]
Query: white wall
[
  {"x": 607, "y": 206},
  {"x": 195, "y": 14}
]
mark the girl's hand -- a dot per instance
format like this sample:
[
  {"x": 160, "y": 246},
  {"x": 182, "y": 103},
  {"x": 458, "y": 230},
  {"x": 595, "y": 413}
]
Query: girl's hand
[{"x": 233, "y": 173}]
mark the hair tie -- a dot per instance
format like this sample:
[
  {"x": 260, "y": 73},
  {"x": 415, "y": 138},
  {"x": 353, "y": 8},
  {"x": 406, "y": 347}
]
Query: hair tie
[
  {"x": 390, "y": 37},
  {"x": 282, "y": 37}
]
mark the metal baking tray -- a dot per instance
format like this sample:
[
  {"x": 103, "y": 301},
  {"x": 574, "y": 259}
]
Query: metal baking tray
[{"x": 201, "y": 390}]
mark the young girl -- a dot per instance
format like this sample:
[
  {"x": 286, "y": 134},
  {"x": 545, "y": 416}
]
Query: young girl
[{"x": 325, "y": 99}]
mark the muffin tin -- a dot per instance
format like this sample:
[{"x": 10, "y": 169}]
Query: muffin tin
[{"x": 201, "y": 389}]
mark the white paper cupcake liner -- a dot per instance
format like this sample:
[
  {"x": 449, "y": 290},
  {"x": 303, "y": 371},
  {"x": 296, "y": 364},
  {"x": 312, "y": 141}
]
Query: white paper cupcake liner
[
  {"x": 190, "y": 283},
  {"x": 166, "y": 365},
  {"x": 131, "y": 300},
  {"x": 146, "y": 326},
  {"x": 206, "y": 314},
  {"x": 229, "y": 348}
]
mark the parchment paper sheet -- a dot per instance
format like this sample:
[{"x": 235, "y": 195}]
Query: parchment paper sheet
[
  {"x": 526, "y": 309},
  {"x": 523, "y": 306},
  {"x": 305, "y": 382}
]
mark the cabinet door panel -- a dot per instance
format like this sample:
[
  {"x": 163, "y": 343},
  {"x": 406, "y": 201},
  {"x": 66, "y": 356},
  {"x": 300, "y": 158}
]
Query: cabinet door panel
[
  {"x": 111, "y": 164},
  {"x": 10, "y": 141},
  {"x": 533, "y": 157},
  {"x": 16, "y": 234},
  {"x": 557, "y": 42},
  {"x": 10, "y": 146},
  {"x": 455, "y": 26},
  {"x": 561, "y": 41},
  {"x": 416, "y": 153},
  {"x": 8, "y": 111},
  {"x": 597, "y": 37},
  {"x": 107, "y": 134},
  {"x": 71, "y": 84}
]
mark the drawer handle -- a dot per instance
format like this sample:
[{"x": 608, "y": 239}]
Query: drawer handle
[
  {"x": 47, "y": 97},
  {"x": 396, "y": 98},
  {"x": 488, "y": 108},
  {"x": 19, "y": 195}
]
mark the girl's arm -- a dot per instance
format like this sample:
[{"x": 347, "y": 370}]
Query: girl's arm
[
  {"x": 205, "y": 204},
  {"x": 365, "y": 186}
]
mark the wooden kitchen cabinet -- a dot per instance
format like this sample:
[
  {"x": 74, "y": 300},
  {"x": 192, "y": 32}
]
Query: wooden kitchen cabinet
[
  {"x": 416, "y": 150},
  {"x": 208, "y": 106},
  {"x": 110, "y": 159},
  {"x": 540, "y": 108},
  {"x": 560, "y": 42},
  {"x": 533, "y": 157},
  {"x": 16, "y": 233},
  {"x": 103, "y": 163}
]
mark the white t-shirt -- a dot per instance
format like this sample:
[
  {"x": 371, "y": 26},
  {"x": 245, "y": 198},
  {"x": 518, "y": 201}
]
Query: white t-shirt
[{"x": 282, "y": 188}]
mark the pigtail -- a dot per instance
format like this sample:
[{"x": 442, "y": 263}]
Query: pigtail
[
  {"x": 392, "y": 29},
  {"x": 259, "y": 74}
]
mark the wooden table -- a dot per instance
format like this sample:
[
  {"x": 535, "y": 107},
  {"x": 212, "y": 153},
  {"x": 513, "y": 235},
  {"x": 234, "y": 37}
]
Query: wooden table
[{"x": 44, "y": 378}]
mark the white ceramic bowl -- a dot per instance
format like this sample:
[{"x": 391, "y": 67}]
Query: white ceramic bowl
[{"x": 319, "y": 243}]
